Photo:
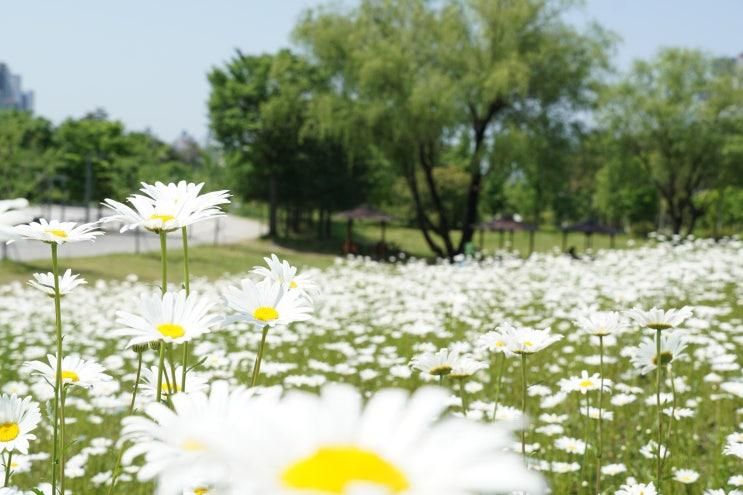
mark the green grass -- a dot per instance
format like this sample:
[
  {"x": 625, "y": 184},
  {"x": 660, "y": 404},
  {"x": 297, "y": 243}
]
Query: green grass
[
  {"x": 304, "y": 249},
  {"x": 411, "y": 240},
  {"x": 207, "y": 261}
]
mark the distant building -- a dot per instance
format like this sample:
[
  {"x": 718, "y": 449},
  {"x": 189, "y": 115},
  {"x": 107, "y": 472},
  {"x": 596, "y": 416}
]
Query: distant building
[{"x": 12, "y": 95}]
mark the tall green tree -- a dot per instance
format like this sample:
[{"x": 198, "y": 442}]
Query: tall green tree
[
  {"x": 675, "y": 116},
  {"x": 258, "y": 108},
  {"x": 25, "y": 144},
  {"x": 412, "y": 78}
]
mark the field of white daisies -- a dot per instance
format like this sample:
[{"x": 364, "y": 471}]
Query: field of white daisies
[{"x": 615, "y": 374}]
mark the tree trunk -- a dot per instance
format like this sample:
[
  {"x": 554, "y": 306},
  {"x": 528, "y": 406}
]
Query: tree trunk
[
  {"x": 424, "y": 223},
  {"x": 273, "y": 205}
]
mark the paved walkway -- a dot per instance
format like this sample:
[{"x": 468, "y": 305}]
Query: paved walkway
[{"x": 225, "y": 230}]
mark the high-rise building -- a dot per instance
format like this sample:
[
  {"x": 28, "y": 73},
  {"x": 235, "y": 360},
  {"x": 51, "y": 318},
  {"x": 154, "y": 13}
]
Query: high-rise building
[{"x": 12, "y": 95}]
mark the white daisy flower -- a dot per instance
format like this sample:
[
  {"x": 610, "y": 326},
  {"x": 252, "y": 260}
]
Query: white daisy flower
[
  {"x": 494, "y": 341},
  {"x": 570, "y": 445},
  {"x": 601, "y": 323},
  {"x": 395, "y": 444},
  {"x": 54, "y": 231},
  {"x": 18, "y": 418},
  {"x": 671, "y": 347},
  {"x": 170, "y": 317},
  {"x": 637, "y": 489},
  {"x": 584, "y": 383},
  {"x": 685, "y": 476},
  {"x": 734, "y": 388},
  {"x": 613, "y": 469},
  {"x": 75, "y": 371},
  {"x": 734, "y": 448},
  {"x": 439, "y": 363},
  {"x": 657, "y": 319},
  {"x": 465, "y": 367},
  {"x": 525, "y": 340},
  {"x": 166, "y": 208},
  {"x": 187, "y": 446},
  {"x": 67, "y": 282},
  {"x": 281, "y": 272},
  {"x": 266, "y": 303},
  {"x": 195, "y": 383}
]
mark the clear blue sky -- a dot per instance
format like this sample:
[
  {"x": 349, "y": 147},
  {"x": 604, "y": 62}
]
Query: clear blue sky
[{"x": 145, "y": 61}]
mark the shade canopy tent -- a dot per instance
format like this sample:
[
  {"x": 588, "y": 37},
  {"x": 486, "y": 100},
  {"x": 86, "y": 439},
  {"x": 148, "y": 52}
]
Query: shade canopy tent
[
  {"x": 510, "y": 224},
  {"x": 364, "y": 213},
  {"x": 588, "y": 228}
]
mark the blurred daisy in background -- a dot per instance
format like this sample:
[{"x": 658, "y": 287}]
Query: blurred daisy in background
[{"x": 637, "y": 489}]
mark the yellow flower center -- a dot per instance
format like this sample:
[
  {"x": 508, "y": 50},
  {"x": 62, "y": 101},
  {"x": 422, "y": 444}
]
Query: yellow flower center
[
  {"x": 171, "y": 330},
  {"x": 659, "y": 325},
  {"x": 528, "y": 343},
  {"x": 265, "y": 313},
  {"x": 443, "y": 369},
  {"x": 200, "y": 491},
  {"x": 166, "y": 389},
  {"x": 293, "y": 285},
  {"x": 62, "y": 234},
  {"x": 161, "y": 218},
  {"x": 191, "y": 445},
  {"x": 70, "y": 376},
  {"x": 500, "y": 343},
  {"x": 332, "y": 469},
  {"x": 8, "y": 431},
  {"x": 585, "y": 383},
  {"x": 665, "y": 358}
]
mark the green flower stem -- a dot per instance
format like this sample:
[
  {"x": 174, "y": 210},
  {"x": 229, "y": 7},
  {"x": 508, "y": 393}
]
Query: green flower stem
[
  {"x": 660, "y": 412},
  {"x": 585, "y": 434},
  {"x": 161, "y": 361},
  {"x": 164, "y": 260},
  {"x": 187, "y": 286},
  {"x": 136, "y": 383},
  {"x": 671, "y": 419},
  {"x": 8, "y": 460},
  {"x": 164, "y": 288},
  {"x": 498, "y": 382},
  {"x": 174, "y": 388},
  {"x": 463, "y": 395},
  {"x": 115, "y": 472},
  {"x": 58, "y": 377},
  {"x": 259, "y": 357},
  {"x": 63, "y": 395},
  {"x": 599, "y": 450},
  {"x": 523, "y": 404}
]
